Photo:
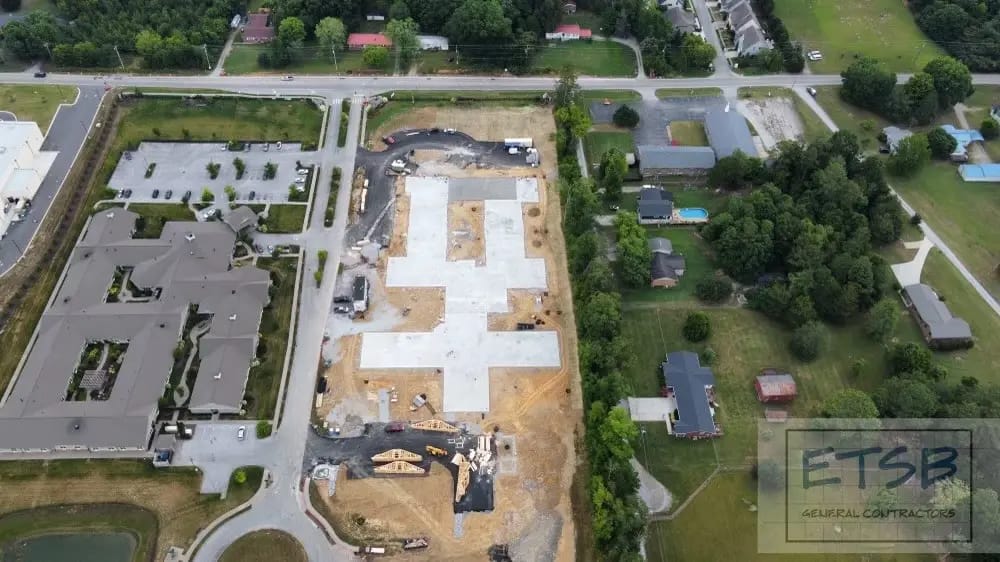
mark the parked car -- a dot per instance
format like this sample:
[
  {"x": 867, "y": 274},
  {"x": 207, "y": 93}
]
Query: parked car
[
  {"x": 300, "y": 180},
  {"x": 121, "y": 193},
  {"x": 40, "y": 74},
  {"x": 341, "y": 309},
  {"x": 342, "y": 299},
  {"x": 395, "y": 427},
  {"x": 207, "y": 214},
  {"x": 156, "y": 193},
  {"x": 435, "y": 130},
  {"x": 287, "y": 78},
  {"x": 168, "y": 194},
  {"x": 302, "y": 171},
  {"x": 389, "y": 140},
  {"x": 187, "y": 196},
  {"x": 814, "y": 55},
  {"x": 241, "y": 432},
  {"x": 811, "y": 91},
  {"x": 450, "y": 131},
  {"x": 128, "y": 193},
  {"x": 253, "y": 195}
]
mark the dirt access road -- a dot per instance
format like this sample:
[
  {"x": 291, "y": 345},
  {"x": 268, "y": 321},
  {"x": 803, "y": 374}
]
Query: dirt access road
[{"x": 540, "y": 410}]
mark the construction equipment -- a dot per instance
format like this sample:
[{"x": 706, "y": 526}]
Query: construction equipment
[
  {"x": 397, "y": 455},
  {"x": 434, "y": 425},
  {"x": 436, "y": 451},
  {"x": 399, "y": 467},
  {"x": 462, "y": 482},
  {"x": 419, "y": 401},
  {"x": 415, "y": 543}
]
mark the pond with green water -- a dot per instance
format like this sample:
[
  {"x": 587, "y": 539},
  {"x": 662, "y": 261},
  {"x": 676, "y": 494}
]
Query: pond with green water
[{"x": 77, "y": 547}]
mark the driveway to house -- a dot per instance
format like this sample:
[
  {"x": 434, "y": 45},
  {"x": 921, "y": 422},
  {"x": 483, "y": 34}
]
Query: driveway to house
[{"x": 977, "y": 153}]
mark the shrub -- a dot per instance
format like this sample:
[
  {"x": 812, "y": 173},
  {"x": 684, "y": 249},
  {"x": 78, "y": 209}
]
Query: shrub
[
  {"x": 270, "y": 170},
  {"x": 713, "y": 289},
  {"x": 186, "y": 133},
  {"x": 318, "y": 276},
  {"x": 207, "y": 196},
  {"x": 625, "y": 116},
  {"x": 213, "y": 169},
  {"x": 241, "y": 167},
  {"x": 328, "y": 217},
  {"x": 989, "y": 129},
  {"x": 807, "y": 341},
  {"x": 941, "y": 143},
  {"x": 230, "y": 193},
  {"x": 240, "y": 476},
  {"x": 697, "y": 327},
  {"x": 916, "y": 219},
  {"x": 264, "y": 429}
]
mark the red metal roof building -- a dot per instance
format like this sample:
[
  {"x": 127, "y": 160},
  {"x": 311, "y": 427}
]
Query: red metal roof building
[
  {"x": 772, "y": 386},
  {"x": 361, "y": 40},
  {"x": 567, "y": 32},
  {"x": 258, "y": 29}
]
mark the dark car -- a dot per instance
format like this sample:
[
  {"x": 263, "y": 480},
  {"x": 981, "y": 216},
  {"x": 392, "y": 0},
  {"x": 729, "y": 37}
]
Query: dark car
[
  {"x": 40, "y": 74},
  {"x": 127, "y": 193},
  {"x": 342, "y": 298},
  {"x": 187, "y": 196},
  {"x": 395, "y": 427},
  {"x": 253, "y": 195},
  {"x": 168, "y": 194},
  {"x": 435, "y": 130},
  {"x": 389, "y": 140},
  {"x": 156, "y": 193}
]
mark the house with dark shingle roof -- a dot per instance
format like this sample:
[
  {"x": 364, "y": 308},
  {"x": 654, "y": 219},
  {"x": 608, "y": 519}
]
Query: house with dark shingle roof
[
  {"x": 692, "y": 386},
  {"x": 666, "y": 267},
  {"x": 940, "y": 328},
  {"x": 654, "y": 205},
  {"x": 663, "y": 160}
]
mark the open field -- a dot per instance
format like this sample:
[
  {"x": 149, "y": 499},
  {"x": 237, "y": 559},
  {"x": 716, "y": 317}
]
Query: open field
[
  {"x": 688, "y": 133},
  {"x": 596, "y": 143},
  {"x": 719, "y": 511},
  {"x": 587, "y": 58},
  {"x": 665, "y": 93},
  {"x": 35, "y": 103},
  {"x": 171, "y": 494},
  {"x": 275, "y": 335},
  {"x": 979, "y": 109},
  {"x": 157, "y": 214},
  {"x": 285, "y": 218},
  {"x": 812, "y": 127},
  {"x": 843, "y": 31},
  {"x": 243, "y": 60},
  {"x": 95, "y": 518},
  {"x": 686, "y": 242},
  {"x": 265, "y": 546},
  {"x": 962, "y": 213}
]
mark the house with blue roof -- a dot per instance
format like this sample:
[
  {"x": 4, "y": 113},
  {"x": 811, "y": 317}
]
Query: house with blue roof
[
  {"x": 963, "y": 138},
  {"x": 980, "y": 172},
  {"x": 692, "y": 388}
]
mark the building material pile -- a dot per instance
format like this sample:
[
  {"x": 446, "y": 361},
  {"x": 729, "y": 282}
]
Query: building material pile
[
  {"x": 399, "y": 467},
  {"x": 397, "y": 455},
  {"x": 462, "y": 482},
  {"x": 434, "y": 425}
]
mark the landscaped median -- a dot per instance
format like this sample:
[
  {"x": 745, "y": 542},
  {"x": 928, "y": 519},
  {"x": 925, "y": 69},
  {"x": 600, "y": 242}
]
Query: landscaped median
[{"x": 275, "y": 337}]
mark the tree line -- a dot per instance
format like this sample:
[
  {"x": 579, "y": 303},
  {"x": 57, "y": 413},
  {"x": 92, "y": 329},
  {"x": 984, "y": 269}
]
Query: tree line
[
  {"x": 970, "y": 31},
  {"x": 618, "y": 515}
]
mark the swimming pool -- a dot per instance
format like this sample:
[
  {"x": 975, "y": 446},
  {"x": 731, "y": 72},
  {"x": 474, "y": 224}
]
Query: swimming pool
[{"x": 692, "y": 213}]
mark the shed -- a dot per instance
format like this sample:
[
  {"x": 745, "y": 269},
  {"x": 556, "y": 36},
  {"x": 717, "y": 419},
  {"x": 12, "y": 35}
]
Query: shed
[
  {"x": 963, "y": 138},
  {"x": 433, "y": 42},
  {"x": 359, "y": 293},
  {"x": 893, "y": 136},
  {"x": 772, "y": 386},
  {"x": 980, "y": 172}
]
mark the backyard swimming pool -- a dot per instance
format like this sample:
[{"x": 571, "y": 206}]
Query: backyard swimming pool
[{"x": 692, "y": 213}]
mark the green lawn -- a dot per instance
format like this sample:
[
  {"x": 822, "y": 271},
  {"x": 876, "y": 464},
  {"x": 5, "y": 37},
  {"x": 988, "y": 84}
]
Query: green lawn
[
  {"x": 243, "y": 60},
  {"x": 718, "y": 526},
  {"x": 157, "y": 214},
  {"x": 98, "y": 518},
  {"x": 697, "y": 265},
  {"x": 979, "y": 109},
  {"x": 275, "y": 333},
  {"x": 813, "y": 127},
  {"x": 688, "y": 133},
  {"x": 964, "y": 214},
  {"x": 884, "y": 29},
  {"x": 588, "y": 58},
  {"x": 665, "y": 93},
  {"x": 35, "y": 103},
  {"x": 865, "y": 124},
  {"x": 285, "y": 218},
  {"x": 265, "y": 546},
  {"x": 597, "y": 143}
]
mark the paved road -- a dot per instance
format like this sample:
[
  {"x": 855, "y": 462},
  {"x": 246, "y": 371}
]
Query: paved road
[
  {"x": 708, "y": 28},
  {"x": 70, "y": 128},
  {"x": 929, "y": 232}
]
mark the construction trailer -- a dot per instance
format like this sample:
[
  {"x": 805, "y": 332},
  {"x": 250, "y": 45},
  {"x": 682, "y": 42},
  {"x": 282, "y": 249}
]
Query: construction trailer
[
  {"x": 359, "y": 295},
  {"x": 518, "y": 143}
]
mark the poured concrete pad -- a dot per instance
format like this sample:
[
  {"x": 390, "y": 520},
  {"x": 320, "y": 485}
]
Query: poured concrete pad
[{"x": 461, "y": 346}]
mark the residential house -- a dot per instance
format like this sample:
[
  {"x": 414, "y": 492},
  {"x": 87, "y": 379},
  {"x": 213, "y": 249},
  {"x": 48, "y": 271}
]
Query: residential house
[
  {"x": 963, "y": 138},
  {"x": 940, "y": 328},
  {"x": 751, "y": 41},
  {"x": 772, "y": 386},
  {"x": 980, "y": 172},
  {"x": 727, "y": 132},
  {"x": 666, "y": 267},
  {"x": 258, "y": 28},
  {"x": 569, "y": 7},
  {"x": 741, "y": 17},
  {"x": 568, "y": 32},
  {"x": 659, "y": 160},
  {"x": 893, "y": 136},
  {"x": 683, "y": 20},
  {"x": 358, "y": 41},
  {"x": 692, "y": 386},
  {"x": 654, "y": 205},
  {"x": 433, "y": 42},
  {"x": 748, "y": 34}
]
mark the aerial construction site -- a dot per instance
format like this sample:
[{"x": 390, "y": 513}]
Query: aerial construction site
[{"x": 448, "y": 400}]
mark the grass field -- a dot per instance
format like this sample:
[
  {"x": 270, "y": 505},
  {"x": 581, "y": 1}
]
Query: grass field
[
  {"x": 962, "y": 213},
  {"x": 285, "y": 218},
  {"x": 697, "y": 265},
  {"x": 688, "y": 133},
  {"x": 138, "y": 522},
  {"x": 883, "y": 29},
  {"x": 597, "y": 143},
  {"x": 35, "y": 103},
  {"x": 156, "y": 214},
  {"x": 588, "y": 58},
  {"x": 276, "y": 335},
  {"x": 813, "y": 127},
  {"x": 865, "y": 124},
  {"x": 243, "y": 60},
  {"x": 979, "y": 109},
  {"x": 265, "y": 546},
  {"x": 90, "y": 486},
  {"x": 665, "y": 93}
]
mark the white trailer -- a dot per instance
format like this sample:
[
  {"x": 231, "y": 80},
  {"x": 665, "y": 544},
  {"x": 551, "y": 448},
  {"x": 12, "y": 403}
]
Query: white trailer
[
  {"x": 170, "y": 428},
  {"x": 519, "y": 143}
]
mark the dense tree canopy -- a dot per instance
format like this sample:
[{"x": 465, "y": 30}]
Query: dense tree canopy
[
  {"x": 331, "y": 34},
  {"x": 850, "y": 403},
  {"x": 970, "y": 31},
  {"x": 941, "y": 143}
]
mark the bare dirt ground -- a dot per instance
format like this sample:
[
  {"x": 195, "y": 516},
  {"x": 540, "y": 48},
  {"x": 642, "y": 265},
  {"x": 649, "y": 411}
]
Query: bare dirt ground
[
  {"x": 540, "y": 408},
  {"x": 775, "y": 119},
  {"x": 465, "y": 231}
]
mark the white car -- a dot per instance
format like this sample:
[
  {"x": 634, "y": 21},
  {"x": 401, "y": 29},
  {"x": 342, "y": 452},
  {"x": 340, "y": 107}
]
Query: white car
[
  {"x": 287, "y": 78},
  {"x": 302, "y": 171},
  {"x": 811, "y": 91},
  {"x": 241, "y": 433},
  {"x": 814, "y": 55},
  {"x": 300, "y": 180}
]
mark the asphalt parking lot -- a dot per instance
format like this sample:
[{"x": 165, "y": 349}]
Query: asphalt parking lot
[
  {"x": 182, "y": 166},
  {"x": 216, "y": 449},
  {"x": 654, "y": 116}
]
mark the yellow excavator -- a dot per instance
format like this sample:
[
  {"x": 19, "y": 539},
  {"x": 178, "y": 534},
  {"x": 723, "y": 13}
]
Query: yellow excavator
[{"x": 437, "y": 452}]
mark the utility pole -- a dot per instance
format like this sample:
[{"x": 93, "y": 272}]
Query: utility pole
[
  {"x": 333, "y": 49},
  {"x": 47, "y": 49},
  {"x": 120, "y": 61},
  {"x": 208, "y": 63}
]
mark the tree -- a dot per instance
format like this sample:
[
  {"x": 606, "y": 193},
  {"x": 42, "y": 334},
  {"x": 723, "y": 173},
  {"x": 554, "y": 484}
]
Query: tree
[
  {"x": 240, "y": 476},
  {"x": 867, "y": 83},
  {"x": 375, "y": 57},
  {"x": 207, "y": 196},
  {"x": 952, "y": 80},
  {"x": 696, "y": 53},
  {"x": 989, "y": 129},
  {"x": 292, "y": 32},
  {"x": 574, "y": 119},
  {"x": 581, "y": 204},
  {"x": 634, "y": 255},
  {"x": 331, "y": 34},
  {"x": 808, "y": 341},
  {"x": 625, "y": 116},
  {"x": 849, "y": 403},
  {"x": 948, "y": 493},
  {"x": 906, "y": 398},
  {"x": 734, "y": 171},
  {"x": 567, "y": 90},
  {"x": 483, "y": 30},
  {"x": 909, "y": 358},
  {"x": 399, "y": 10},
  {"x": 921, "y": 99},
  {"x": 713, "y": 289},
  {"x": 882, "y": 319},
  {"x": 912, "y": 153},
  {"x": 697, "y": 327},
  {"x": 601, "y": 316},
  {"x": 612, "y": 171},
  {"x": 941, "y": 143},
  {"x": 403, "y": 34}
]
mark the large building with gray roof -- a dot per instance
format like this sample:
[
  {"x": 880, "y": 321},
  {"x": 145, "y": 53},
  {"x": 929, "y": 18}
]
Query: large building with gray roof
[
  {"x": 940, "y": 328},
  {"x": 188, "y": 269}
]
